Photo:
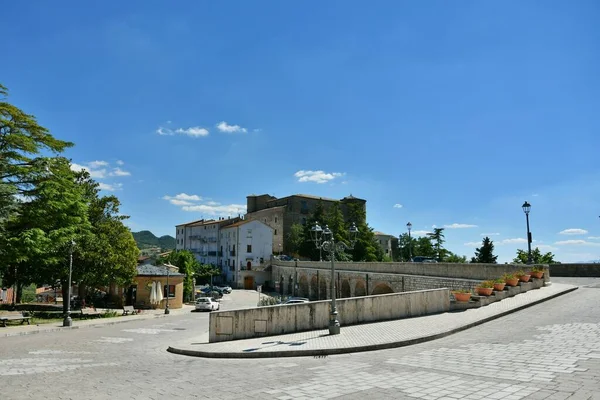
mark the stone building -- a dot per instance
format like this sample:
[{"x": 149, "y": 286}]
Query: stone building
[
  {"x": 386, "y": 242},
  {"x": 281, "y": 213}
]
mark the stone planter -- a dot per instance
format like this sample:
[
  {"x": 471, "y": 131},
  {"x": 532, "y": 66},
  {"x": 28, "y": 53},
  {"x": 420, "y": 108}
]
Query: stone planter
[
  {"x": 484, "y": 291},
  {"x": 524, "y": 278},
  {"x": 462, "y": 297}
]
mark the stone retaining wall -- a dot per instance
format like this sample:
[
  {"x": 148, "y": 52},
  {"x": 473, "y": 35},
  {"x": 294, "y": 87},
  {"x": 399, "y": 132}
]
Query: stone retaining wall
[{"x": 282, "y": 319}]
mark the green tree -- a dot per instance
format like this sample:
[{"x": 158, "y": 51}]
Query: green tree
[
  {"x": 366, "y": 247},
  {"x": 437, "y": 237},
  {"x": 38, "y": 240},
  {"x": 485, "y": 253},
  {"x": 295, "y": 239},
  {"x": 454, "y": 258},
  {"x": 537, "y": 256},
  {"x": 308, "y": 248},
  {"x": 334, "y": 219},
  {"x": 190, "y": 267}
]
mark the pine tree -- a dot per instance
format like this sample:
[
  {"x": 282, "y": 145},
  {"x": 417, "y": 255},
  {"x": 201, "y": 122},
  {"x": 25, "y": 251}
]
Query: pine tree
[{"x": 485, "y": 253}]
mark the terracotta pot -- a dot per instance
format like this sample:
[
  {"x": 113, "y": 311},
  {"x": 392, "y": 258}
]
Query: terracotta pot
[
  {"x": 524, "y": 278},
  {"x": 537, "y": 275},
  {"x": 499, "y": 286},
  {"x": 482, "y": 291},
  {"x": 462, "y": 297},
  {"x": 512, "y": 282}
]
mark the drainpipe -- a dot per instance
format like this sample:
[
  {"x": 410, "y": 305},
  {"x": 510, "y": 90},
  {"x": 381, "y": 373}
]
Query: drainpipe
[{"x": 367, "y": 284}]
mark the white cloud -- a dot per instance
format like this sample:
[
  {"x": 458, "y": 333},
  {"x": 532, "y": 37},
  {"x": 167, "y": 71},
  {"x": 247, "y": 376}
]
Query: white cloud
[
  {"x": 397, "y": 205},
  {"x": 490, "y": 234},
  {"x": 119, "y": 162},
  {"x": 180, "y": 202},
  {"x": 459, "y": 226},
  {"x": 512, "y": 241},
  {"x": 594, "y": 237},
  {"x": 575, "y": 242},
  {"x": 226, "y": 128},
  {"x": 473, "y": 244},
  {"x": 110, "y": 187},
  {"x": 119, "y": 172},
  {"x": 213, "y": 203},
  {"x": 317, "y": 176},
  {"x": 183, "y": 196},
  {"x": 220, "y": 210},
  {"x": 94, "y": 173},
  {"x": 419, "y": 233},
  {"x": 546, "y": 247},
  {"x": 535, "y": 195},
  {"x": 573, "y": 231},
  {"x": 256, "y": 130},
  {"x": 194, "y": 131},
  {"x": 97, "y": 164}
]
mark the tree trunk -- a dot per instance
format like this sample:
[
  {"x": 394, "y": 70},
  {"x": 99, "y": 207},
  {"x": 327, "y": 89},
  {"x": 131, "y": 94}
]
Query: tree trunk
[{"x": 19, "y": 292}]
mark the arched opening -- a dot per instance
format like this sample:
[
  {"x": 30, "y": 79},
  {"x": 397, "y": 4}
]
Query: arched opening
[
  {"x": 314, "y": 288},
  {"x": 249, "y": 265},
  {"x": 303, "y": 287},
  {"x": 323, "y": 289},
  {"x": 359, "y": 289},
  {"x": 346, "y": 292},
  {"x": 382, "y": 288}
]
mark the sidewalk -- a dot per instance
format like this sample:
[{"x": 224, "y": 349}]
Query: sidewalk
[
  {"x": 78, "y": 323},
  {"x": 367, "y": 337}
]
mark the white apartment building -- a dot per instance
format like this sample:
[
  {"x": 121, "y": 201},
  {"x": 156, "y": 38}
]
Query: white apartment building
[
  {"x": 248, "y": 245},
  {"x": 231, "y": 244}
]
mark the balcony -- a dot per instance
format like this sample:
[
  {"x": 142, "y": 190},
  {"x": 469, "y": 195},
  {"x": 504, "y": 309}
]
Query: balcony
[{"x": 232, "y": 253}]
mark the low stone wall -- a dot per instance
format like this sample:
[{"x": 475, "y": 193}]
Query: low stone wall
[
  {"x": 575, "y": 270},
  {"x": 473, "y": 271},
  {"x": 277, "y": 320}
]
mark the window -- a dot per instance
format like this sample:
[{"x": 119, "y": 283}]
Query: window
[
  {"x": 249, "y": 248},
  {"x": 171, "y": 291},
  {"x": 249, "y": 231},
  {"x": 275, "y": 219},
  {"x": 275, "y": 232}
]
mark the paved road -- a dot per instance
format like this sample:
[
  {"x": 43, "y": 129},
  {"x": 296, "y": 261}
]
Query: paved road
[{"x": 550, "y": 351}]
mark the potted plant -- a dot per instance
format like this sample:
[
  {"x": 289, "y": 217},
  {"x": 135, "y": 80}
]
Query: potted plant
[
  {"x": 537, "y": 272},
  {"x": 522, "y": 276},
  {"x": 462, "y": 295},
  {"x": 510, "y": 279},
  {"x": 499, "y": 284},
  {"x": 485, "y": 288}
]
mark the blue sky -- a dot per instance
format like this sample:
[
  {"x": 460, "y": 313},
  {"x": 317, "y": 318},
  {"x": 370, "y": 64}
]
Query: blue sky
[{"x": 457, "y": 111}]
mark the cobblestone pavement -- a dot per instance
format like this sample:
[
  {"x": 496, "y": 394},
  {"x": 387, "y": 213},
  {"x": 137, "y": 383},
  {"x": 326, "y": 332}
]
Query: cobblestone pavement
[{"x": 548, "y": 351}]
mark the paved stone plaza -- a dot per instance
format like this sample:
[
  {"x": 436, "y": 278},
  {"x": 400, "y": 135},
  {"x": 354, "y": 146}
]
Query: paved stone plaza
[{"x": 548, "y": 351}]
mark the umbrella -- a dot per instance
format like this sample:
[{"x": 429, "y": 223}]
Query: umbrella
[
  {"x": 153, "y": 293},
  {"x": 159, "y": 295}
]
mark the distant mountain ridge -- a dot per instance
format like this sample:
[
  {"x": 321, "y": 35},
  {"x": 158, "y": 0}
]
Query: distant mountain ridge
[{"x": 146, "y": 239}]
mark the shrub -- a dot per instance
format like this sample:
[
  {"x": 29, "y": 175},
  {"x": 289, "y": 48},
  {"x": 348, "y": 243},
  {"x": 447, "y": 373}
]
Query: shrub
[
  {"x": 487, "y": 284},
  {"x": 461, "y": 291}
]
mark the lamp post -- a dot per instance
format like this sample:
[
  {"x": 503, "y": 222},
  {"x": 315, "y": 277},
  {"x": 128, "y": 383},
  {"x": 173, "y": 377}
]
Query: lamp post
[
  {"x": 409, "y": 226},
  {"x": 68, "y": 321},
  {"x": 526, "y": 208},
  {"x": 325, "y": 240}
]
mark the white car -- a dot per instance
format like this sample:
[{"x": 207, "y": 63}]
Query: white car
[
  {"x": 296, "y": 300},
  {"x": 207, "y": 304}
]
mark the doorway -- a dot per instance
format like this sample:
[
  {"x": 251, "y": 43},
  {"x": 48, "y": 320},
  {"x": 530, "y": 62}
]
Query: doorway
[
  {"x": 131, "y": 295},
  {"x": 248, "y": 282}
]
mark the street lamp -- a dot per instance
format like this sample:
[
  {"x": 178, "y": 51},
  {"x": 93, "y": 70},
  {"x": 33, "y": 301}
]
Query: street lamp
[
  {"x": 325, "y": 240},
  {"x": 167, "y": 311},
  {"x": 68, "y": 321},
  {"x": 526, "y": 208},
  {"x": 409, "y": 226}
]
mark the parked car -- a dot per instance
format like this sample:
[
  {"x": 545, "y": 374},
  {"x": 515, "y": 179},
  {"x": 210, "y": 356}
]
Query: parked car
[
  {"x": 296, "y": 300},
  {"x": 423, "y": 259},
  {"x": 207, "y": 304},
  {"x": 224, "y": 289},
  {"x": 212, "y": 292}
]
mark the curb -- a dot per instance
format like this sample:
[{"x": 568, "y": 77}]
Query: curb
[
  {"x": 358, "y": 349},
  {"x": 66, "y": 328}
]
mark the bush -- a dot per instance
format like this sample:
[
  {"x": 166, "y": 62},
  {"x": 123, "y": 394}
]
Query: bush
[{"x": 487, "y": 284}]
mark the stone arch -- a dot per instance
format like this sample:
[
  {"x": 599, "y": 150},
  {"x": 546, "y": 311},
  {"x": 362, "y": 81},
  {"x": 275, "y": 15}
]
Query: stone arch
[
  {"x": 346, "y": 292},
  {"x": 314, "y": 288},
  {"x": 303, "y": 287},
  {"x": 322, "y": 289},
  {"x": 359, "y": 289},
  {"x": 382, "y": 288}
]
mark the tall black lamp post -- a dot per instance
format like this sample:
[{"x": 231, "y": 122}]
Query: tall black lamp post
[
  {"x": 526, "y": 208},
  {"x": 409, "y": 226},
  {"x": 325, "y": 240},
  {"x": 68, "y": 321}
]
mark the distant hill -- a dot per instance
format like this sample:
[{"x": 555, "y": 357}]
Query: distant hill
[{"x": 146, "y": 239}]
